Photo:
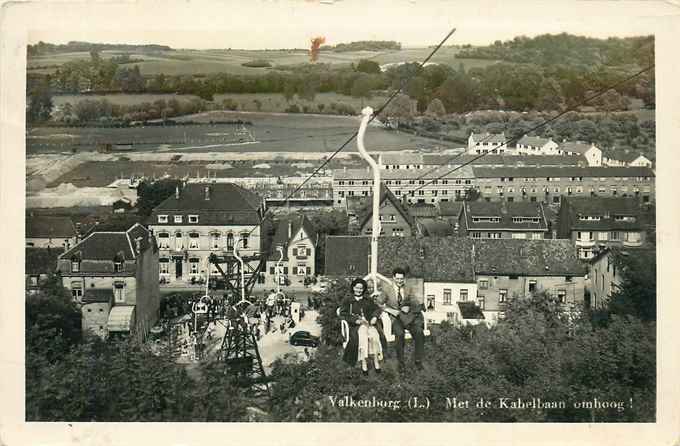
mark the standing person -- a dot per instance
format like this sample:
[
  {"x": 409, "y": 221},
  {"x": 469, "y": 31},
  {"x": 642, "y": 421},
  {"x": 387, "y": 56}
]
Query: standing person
[
  {"x": 403, "y": 301},
  {"x": 361, "y": 314}
]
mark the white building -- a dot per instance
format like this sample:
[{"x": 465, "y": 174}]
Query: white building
[
  {"x": 591, "y": 152},
  {"x": 201, "y": 219},
  {"x": 534, "y": 145}
]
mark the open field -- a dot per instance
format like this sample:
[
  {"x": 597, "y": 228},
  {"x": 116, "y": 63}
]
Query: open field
[
  {"x": 272, "y": 132},
  {"x": 189, "y": 62}
]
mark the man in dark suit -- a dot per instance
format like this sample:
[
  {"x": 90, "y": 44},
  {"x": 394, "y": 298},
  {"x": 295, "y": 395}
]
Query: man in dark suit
[{"x": 402, "y": 299}]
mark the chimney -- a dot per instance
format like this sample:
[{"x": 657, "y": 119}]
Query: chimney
[
  {"x": 176, "y": 192},
  {"x": 207, "y": 193}
]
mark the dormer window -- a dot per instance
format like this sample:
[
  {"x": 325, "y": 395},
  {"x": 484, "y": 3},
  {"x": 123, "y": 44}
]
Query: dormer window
[
  {"x": 117, "y": 266},
  {"x": 178, "y": 219},
  {"x": 193, "y": 219},
  {"x": 75, "y": 265},
  {"x": 162, "y": 219}
]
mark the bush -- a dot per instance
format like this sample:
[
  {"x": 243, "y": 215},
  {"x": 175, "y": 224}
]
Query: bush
[{"x": 258, "y": 63}]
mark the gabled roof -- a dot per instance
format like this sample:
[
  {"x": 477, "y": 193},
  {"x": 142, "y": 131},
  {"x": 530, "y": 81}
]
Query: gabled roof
[
  {"x": 347, "y": 256},
  {"x": 222, "y": 197},
  {"x": 604, "y": 207},
  {"x": 404, "y": 175},
  {"x": 575, "y": 146},
  {"x": 401, "y": 158},
  {"x": 385, "y": 194},
  {"x": 42, "y": 260},
  {"x": 450, "y": 208},
  {"x": 422, "y": 210},
  {"x": 450, "y": 259},
  {"x": 434, "y": 227},
  {"x": 109, "y": 245},
  {"x": 631, "y": 156},
  {"x": 42, "y": 226},
  {"x": 493, "y": 138},
  {"x": 545, "y": 257},
  {"x": 563, "y": 172},
  {"x": 533, "y": 141},
  {"x": 281, "y": 235},
  {"x": 505, "y": 211}
]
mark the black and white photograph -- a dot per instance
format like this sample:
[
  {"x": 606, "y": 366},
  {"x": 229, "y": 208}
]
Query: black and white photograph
[{"x": 334, "y": 211}]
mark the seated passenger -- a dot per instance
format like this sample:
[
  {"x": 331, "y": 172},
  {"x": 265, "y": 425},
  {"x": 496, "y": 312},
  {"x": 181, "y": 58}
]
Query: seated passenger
[{"x": 361, "y": 314}]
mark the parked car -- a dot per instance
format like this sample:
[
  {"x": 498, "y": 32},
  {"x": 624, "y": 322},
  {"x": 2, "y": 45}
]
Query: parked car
[{"x": 304, "y": 338}]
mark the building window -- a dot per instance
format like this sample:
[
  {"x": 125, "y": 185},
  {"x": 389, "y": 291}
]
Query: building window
[
  {"x": 193, "y": 265},
  {"x": 164, "y": 265},
  {"x": 162, "y": 219},
  {"x": 562, "y": 296},
  {"x": 447, "y": 297},
  {"x": 430, "y": 302},
  {"x": 502, "y": 295},
  {"x": 633, "y": 237},
  {"x": 117, "y": 267},
  {"x": 532, "y": 286},
  {"x": 481, "y": 301},
  {"x": 483, "y": 284},
  {"x": 463, "y": 295},
  {"x": 244, "y": 239},
  {"x": 34, "y": 281},
  {"x": 193, "y": 219},
  {"x": 178, "y": 219},
  {"x": 602, "y": 236},
  {"x": 615, "y": 235},
  {"x": 119, "y": 292},
  {"x": 215, "y": 240},
  {"x": 164, "y": 240},
  {"x": 194, "y": 240},
  {"x": 75, "y": 265},
  {"x": 230, "y": 241},
  {"x": 179, "y": 241}
]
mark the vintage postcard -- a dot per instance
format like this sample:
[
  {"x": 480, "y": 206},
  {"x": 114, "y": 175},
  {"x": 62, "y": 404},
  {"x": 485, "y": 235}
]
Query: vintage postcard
[{"x": 427, "y": 221}]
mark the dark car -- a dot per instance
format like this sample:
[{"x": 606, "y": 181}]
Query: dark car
[{"x": 304, "y": 338}]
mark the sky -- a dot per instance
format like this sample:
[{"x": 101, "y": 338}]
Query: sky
[{"x": 273, "y": 24}]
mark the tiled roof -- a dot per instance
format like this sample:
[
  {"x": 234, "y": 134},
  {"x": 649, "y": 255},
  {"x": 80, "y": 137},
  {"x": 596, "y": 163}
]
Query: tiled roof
[
  {"x": 450, "y": 208},
  {"x": 281, "y": 235},
  {"x": 535, "y": 172},
  {"x": 385, "y": 194},
  {"x": 403, "y": 174},
  {"x": 449, "y": 259},
  {"x": 533, "y": 141},
  {"x": 606, "y": 208},
  {"x": 347, "y": 256},
  {"x": 422, "y": 210},
  {"x": 506, "y": 211},
  {"x": 42, "y": 260},
  {"x": 470, "y": 310},
  {"x": 574, "y": 146},
  {"x": 401, "y": 158},
  {"x": 222, "y": 197},
  {"x": 49, "y": 227},
  {"x": 97, "y": 295},
  {"x": 545, "y": 257},
  {"x": 495, "y": 138},
  {"x": 434, "y": 227},
  {"x": 108, "y": 245},
  {"x": 630, "y": 156}
]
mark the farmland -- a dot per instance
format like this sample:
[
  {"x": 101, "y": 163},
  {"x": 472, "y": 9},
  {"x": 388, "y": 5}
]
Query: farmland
[
  {"x": 271, "y": 132},
  {"x": 191, "y": 62}
]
